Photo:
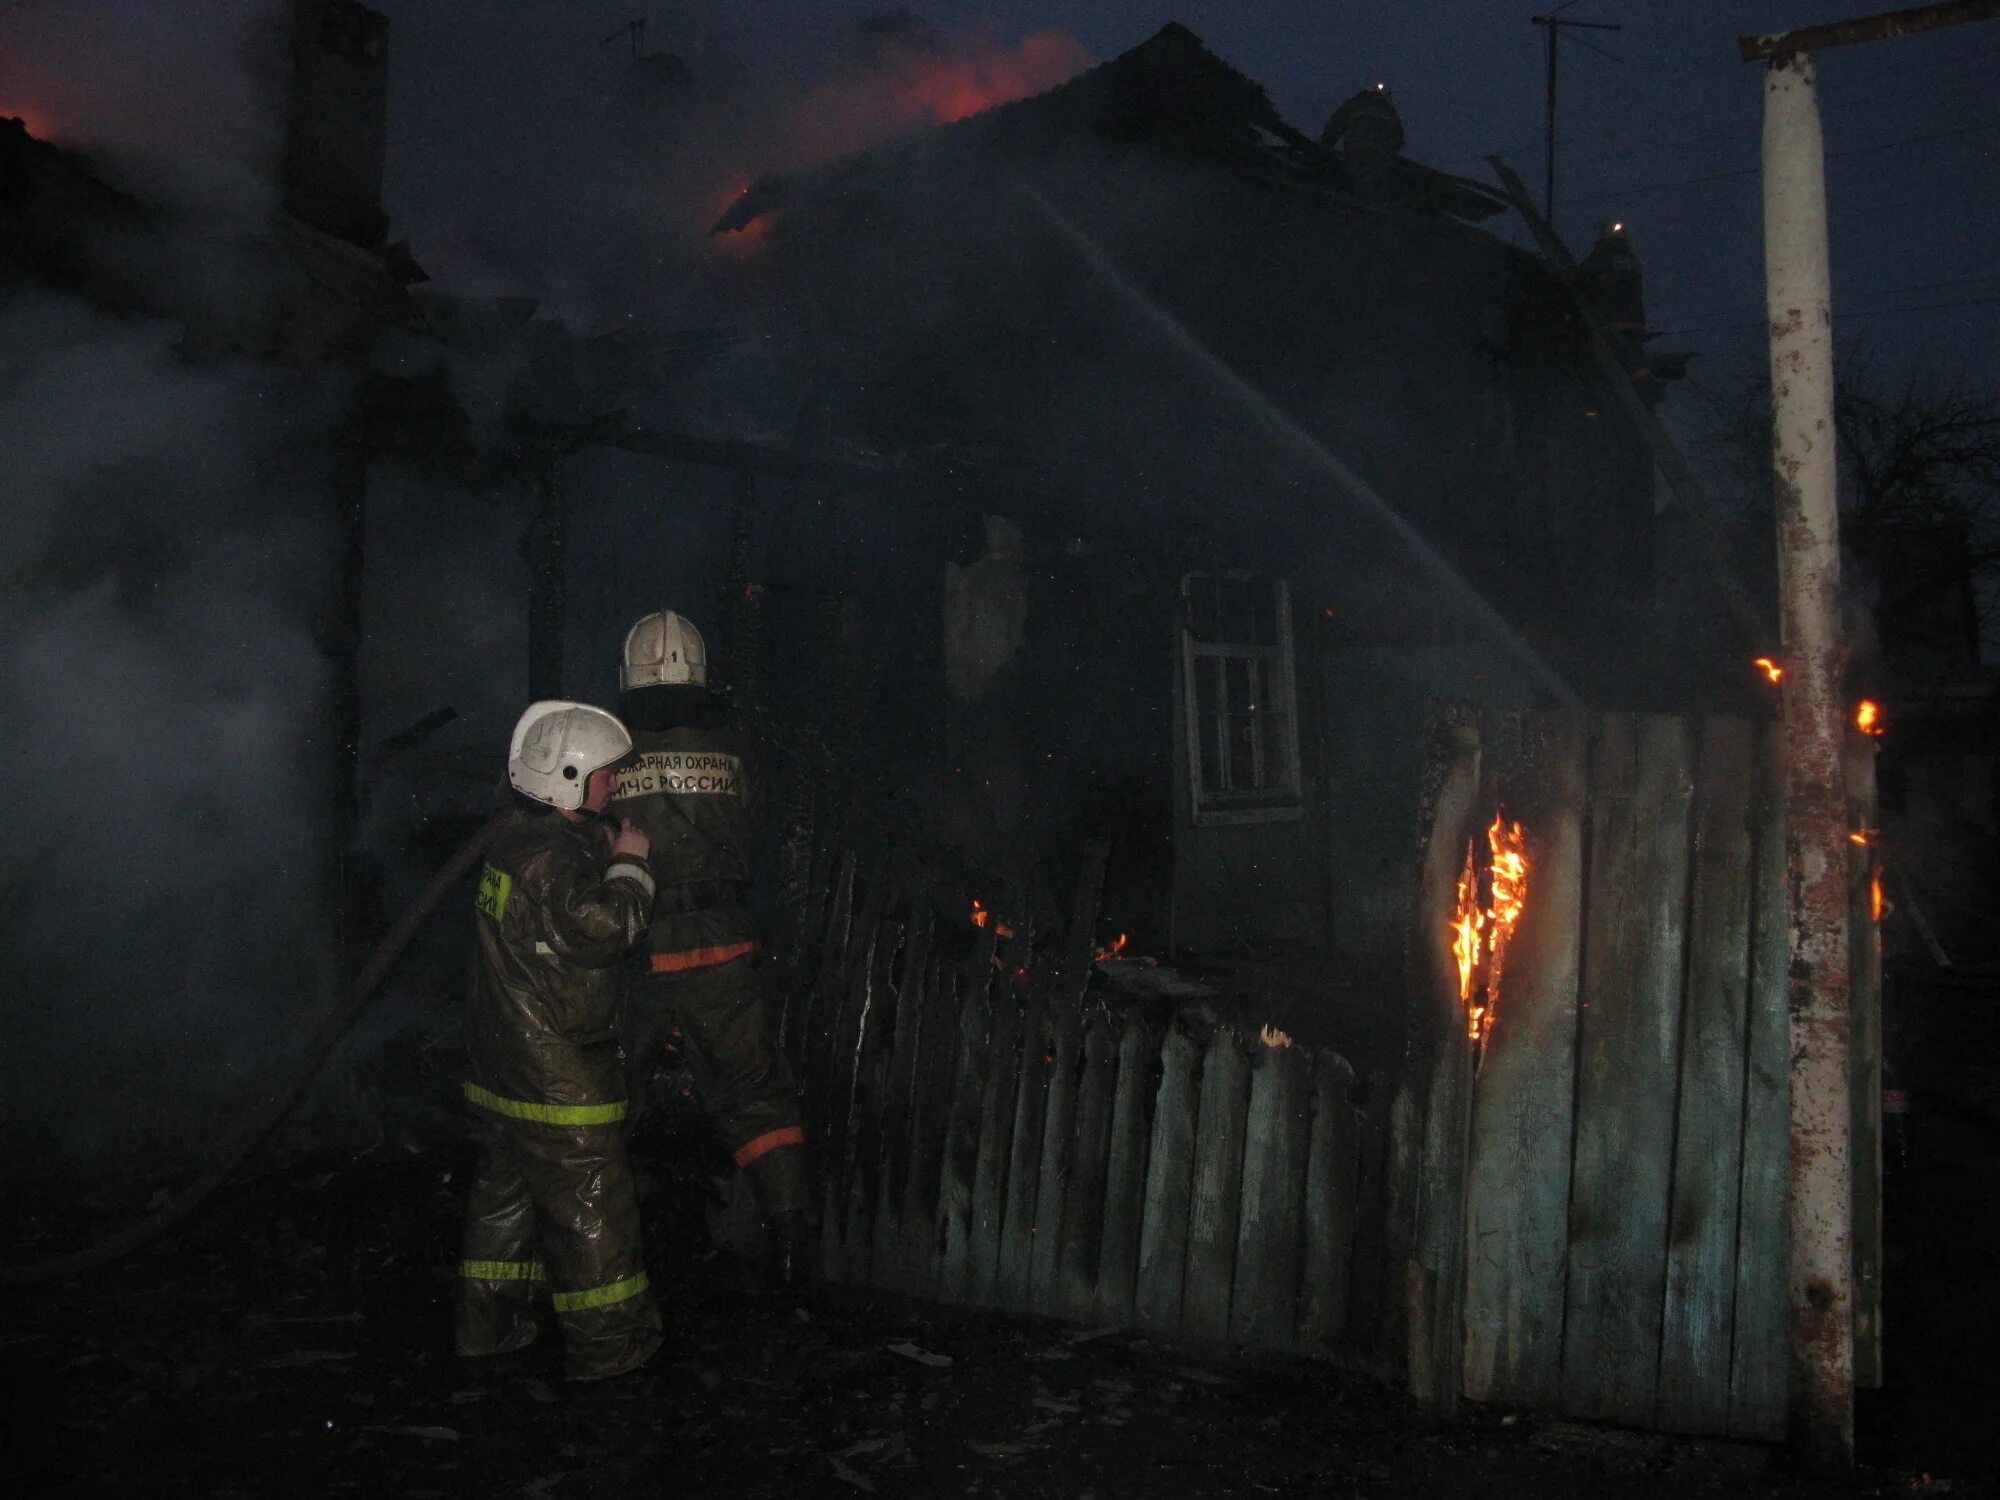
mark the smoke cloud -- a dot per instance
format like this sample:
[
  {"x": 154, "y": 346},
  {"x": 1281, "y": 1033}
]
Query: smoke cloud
[
  {"x": 178, "y": 103},
  {"x": 158, "y": 679}
]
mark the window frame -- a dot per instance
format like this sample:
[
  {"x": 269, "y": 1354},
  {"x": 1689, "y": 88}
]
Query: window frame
[{"x": 1280, "y": 802}]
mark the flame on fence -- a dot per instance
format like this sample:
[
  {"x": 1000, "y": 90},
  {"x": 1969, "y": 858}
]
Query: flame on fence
[
  {"x": 1481, "y": 931},
  {"x": 1270, "y": 1036},
  {"x": 1112, "y": 949},
  {"x": 1771, "y": 670},
  {"x": 981, "y": 917},
  {"x": 1877, "y": 902},
  {"x": 1868, "y": 716}
]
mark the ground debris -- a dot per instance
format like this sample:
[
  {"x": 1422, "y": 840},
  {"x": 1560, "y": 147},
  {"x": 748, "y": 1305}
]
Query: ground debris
[
  {"x": 433, "y": 1434},
  {"x": 922, "y": 1356},
  {"x": 847, "y": 1474},
  {"x": 297, "y": 1358}
]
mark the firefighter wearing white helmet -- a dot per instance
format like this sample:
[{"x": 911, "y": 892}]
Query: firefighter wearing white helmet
[
  {"x": 564, "y": 896},
  {"x": 692, "y": 784}
]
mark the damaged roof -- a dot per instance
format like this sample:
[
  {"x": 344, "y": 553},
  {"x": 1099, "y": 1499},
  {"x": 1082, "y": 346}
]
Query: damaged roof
[{"x": 1169, "y": 94}]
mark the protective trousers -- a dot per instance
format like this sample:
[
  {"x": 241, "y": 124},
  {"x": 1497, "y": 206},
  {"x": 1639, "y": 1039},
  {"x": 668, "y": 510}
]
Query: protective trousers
[
  {"x": 745, "y": 1086},
  {"x": 555, "y": 1204}
]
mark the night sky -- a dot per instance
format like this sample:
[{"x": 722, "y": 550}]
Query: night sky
[
  {"x": 1667, "y": 137},
  {"x": 508, "y": 175}
]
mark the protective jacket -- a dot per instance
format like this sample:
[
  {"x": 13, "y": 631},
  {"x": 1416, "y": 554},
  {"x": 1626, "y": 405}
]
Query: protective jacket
[
  {"x": 552, "y": 1201},
  {"x": 556, "y": 916},
  {"x": 696, "y": 792}
]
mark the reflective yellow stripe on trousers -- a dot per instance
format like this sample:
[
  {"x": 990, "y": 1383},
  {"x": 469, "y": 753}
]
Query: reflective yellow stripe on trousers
[
  {"x": 503, "y": 1270},
  {"x": 545, "y": 1114},
  {"x": 601, "y": 1296}
]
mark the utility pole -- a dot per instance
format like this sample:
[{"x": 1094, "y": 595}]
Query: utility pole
[
  {"x": 1555, "y": 24},
  {"x": 1799, "y": 304}
]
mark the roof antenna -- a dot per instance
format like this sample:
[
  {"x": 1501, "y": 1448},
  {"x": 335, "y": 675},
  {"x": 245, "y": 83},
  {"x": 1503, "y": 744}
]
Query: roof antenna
[
  {"x": 636, "y": 30},
  {"x": 1556, "y": 25}
]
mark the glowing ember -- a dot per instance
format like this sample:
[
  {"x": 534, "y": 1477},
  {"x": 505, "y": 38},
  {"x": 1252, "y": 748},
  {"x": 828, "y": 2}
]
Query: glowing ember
[
  {"x": 1769, "y": 668},
  {"x": 981, "y": 917},
  {"x": 1877, "y": 902},
  {"x": 1270, "y": 1036},
  {"x": 1116, "y": 947},
  {"x": 1862, "y": 836},
  {"x": 1868, "y": 716}
]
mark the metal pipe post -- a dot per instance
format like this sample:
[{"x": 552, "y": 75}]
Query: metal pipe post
[{"x": 1801, "y": 322}]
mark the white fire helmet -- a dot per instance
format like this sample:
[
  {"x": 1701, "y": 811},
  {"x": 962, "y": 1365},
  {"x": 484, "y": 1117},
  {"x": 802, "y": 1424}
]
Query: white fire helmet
[
  {"x": 663, "y": 650},
  {"x": 557, "y": 745}
]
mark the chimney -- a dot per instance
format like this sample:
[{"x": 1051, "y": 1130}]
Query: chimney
[{"x": 337, "y": 130}]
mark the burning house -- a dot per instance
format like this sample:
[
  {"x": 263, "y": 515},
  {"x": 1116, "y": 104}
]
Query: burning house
[{"x": 1165, "y": 461}]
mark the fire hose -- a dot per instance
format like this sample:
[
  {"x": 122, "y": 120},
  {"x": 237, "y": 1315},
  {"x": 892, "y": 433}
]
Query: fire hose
[{"x": 272, "y": 1114}]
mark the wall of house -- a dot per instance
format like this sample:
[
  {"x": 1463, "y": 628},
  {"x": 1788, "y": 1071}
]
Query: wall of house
[{"x": 1247, "y": 886}]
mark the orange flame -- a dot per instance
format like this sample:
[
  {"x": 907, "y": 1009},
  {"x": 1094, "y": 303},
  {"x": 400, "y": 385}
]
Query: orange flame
[
  {"x": 1862, "y": 836},
  {"x": 1508, "y": 844},
  {"x": 1480, "y": 933},
  {"x": 1467, "y": 926},
  {"x": 981, "y": 917},
  {"x": 1868, "y": 716},
  {"x": 1877, "y": 902},
  {"x": 1771, "y": 670},
  {"x": 1116, "y": 947}
]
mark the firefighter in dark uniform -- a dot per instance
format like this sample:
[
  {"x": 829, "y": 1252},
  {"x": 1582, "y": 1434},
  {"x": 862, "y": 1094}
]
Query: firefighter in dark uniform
[
  {"x": 564, "y": 897},
  {"x": 692, "y": 785}
]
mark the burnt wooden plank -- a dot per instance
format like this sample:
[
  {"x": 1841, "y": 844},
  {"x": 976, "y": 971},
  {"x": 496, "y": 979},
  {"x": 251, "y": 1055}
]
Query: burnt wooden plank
[
  {"x": 1333, "y": 1180},
  {"x": 820, "y": 989},
  {"x": 849, "y": 1079},
  {"x": 1263, "y": 1301},
  {"x": 1760, "y": 1351},
  {"x": 1864, "y": 969},
  {"x": 996, "y": 1140},
  {"x": 1127, "y": 1167},
  {"x": 930, "y": 1106},
  {"x": 1163, "y": 1227},
  {"x": 1024, "y": 1160},
  {"x": 1216, "y": 1198},
  {"x": 1369, "y": 1295},
  {"x": 1628, "y": 1059},
  {"x": 1698, "y": 1317},
  {"x": 1058, "y": 1143},
  {"x": 958, "y": 1166},
  {"x": 898, "y": 1109},
  {"x": 1083, "y": 1206},
  {"x": 1432, "y": 1112},
  {"x": 1517, "y": 1181}
]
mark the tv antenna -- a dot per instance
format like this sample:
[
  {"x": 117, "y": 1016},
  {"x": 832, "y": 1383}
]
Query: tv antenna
[
  {"x": 636, "y": 30},
  {"x": 1556, "y": 24}
]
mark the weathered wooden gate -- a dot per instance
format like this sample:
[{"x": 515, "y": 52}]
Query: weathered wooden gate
[{"x": 1589, "y": 1206}]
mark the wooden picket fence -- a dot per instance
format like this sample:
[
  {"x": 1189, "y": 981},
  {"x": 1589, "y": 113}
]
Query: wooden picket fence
[
  {"x": 1589, "y": 1213},
  {"x": 994, "y": 1133}
]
